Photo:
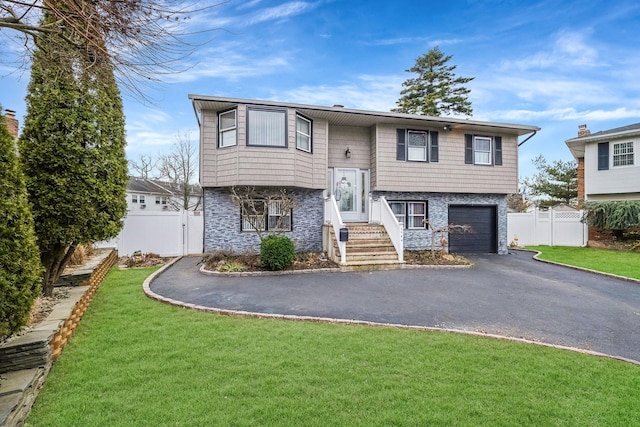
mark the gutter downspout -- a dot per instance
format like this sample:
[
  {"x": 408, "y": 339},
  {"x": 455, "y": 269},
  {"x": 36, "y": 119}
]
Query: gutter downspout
[{"x": 528, "y": 138}]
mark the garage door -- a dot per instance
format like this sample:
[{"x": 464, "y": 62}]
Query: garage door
[{"x": 483, "y": 222}]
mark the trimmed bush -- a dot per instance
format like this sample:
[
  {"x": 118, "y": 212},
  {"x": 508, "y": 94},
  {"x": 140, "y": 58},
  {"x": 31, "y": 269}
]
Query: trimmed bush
[
  {"x": 277, "y": 252},
  {"x": 20, "y": 269}
]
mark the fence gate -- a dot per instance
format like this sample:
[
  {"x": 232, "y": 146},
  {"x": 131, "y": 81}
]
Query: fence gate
[
  {"x": 164, "y": 233},
  {"x": 555, "y": 227}
]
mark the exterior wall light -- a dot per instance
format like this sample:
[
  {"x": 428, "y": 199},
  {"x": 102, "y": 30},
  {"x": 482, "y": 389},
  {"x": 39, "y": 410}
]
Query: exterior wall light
[{"x": 347, "y": 153}]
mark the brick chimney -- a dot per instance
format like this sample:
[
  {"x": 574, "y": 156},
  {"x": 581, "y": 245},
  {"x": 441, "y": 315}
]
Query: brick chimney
[
  {"x": 12, "y": 122},
  {"x": 583, "y": 131}
]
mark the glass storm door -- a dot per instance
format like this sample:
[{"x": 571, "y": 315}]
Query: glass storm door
[{"x": 350, "y": 188}]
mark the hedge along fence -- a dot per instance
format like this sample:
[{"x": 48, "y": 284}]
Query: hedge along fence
[{"x": 67, "y": 329}]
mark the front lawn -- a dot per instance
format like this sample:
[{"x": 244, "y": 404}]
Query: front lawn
[
  {"x": 625, "y": 264},
  {"x": 136, "y": 362}
]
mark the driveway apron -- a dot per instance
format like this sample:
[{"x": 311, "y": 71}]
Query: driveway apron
[{"x": 510, "y": 295}]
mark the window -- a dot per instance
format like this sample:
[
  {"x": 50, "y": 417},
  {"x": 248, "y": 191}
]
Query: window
[
  {"x": 161, "y": 200},
  {"x": 412, "y": 215},
  {"x": 134, "y": 198},
  {"x": 483, "y": 150},
  {"x": 267, "y": 128},
  {"x": 141, "y": 198},
  {"x": 227, "y": 125},
  {"x": 623, "y": 154},
  {"x": 265, "y": 216},
  {"x": 303, "y": 134},
  {"x": 417, "y": 145}
]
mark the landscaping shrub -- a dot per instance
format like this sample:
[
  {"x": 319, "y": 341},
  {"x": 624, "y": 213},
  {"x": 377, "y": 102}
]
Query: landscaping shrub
[
  {"x": 20, "y": 268},
  {"x": 277, "y": 252}
]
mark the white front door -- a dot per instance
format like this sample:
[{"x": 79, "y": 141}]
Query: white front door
[{"x": 351, "y": 188}]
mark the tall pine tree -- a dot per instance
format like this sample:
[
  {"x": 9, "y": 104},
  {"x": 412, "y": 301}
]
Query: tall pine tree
[
  {"x": 20, "y": 269},
  {"x": 73, "y": 149},
  {"x": 436, "y": 91}
]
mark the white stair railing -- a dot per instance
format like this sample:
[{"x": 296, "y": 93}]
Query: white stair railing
[
  {"x": 332, "y": 216},
  {"x": 380, "y": 213}
]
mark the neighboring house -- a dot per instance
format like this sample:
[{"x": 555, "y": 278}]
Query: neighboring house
[
  {"x": 608, "y": 168},
  {"x": 11, "y": 122},
  {"x": 153, "y": 195},
  {"x": 345, "y": 167}
]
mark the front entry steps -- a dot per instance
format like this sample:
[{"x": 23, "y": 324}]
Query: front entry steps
[{"x": 368, "y": 248}]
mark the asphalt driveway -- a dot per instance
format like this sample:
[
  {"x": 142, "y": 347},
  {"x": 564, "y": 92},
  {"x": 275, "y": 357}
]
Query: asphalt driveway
[{"x": 510, "y": 295}]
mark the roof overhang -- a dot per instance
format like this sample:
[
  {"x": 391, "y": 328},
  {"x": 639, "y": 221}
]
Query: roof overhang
[
  {"x": 577, "y": 145},
  {"x": 340, "y": 116}
]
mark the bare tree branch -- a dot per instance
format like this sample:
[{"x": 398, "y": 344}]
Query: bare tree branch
[{"x": 144, "y": 40}]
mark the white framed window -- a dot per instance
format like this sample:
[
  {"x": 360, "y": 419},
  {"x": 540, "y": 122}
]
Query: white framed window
[
  {"x": 263, "y": 216},
  {"x": 412, "y": 215},
  {"x": 482, "y": 150},
  {"x": 623, "y": 154},
  {"x": 278, "y": 219},
  {"x": 416, "y": 215},
  {"x": 266, "y": 128},
  {"x": 134, "y": 198},
  {"x": 141, "y": 198},
  {"x": 303, "y": 134},
  {"x": 417, "y": 146},
  {"x": 227, "y": 124},
  {"x": 161, "y": 200}
]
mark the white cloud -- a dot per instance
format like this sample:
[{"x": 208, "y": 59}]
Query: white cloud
[
  {"x": 570, "y": 49},
  {"x": 568, "y": 113},
  {"x": 282, "y": 11},
  {"x": 367, "y": 92}
]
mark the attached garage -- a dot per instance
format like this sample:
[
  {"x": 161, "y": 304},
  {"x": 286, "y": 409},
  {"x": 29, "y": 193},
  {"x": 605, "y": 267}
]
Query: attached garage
[{"x": 484, "y": 223}]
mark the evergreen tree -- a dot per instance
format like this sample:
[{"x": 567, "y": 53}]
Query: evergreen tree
[
  {"x": 436, "y": 90},
  {"x": 20, "y": 270},
  {"x": 554, "y": 183},
  {"x": 73, "y": 148}
]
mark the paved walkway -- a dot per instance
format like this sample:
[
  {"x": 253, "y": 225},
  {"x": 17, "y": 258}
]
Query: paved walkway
[{"x": 509, "y": 295}]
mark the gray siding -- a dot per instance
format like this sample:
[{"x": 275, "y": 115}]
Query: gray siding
[
  {"x": 262, "y": 166},
  {"x": 222, "y": 222},
  {"x": 450, "y": 174},
  {"x": 438, "y": 210},
  {"x": 357, "y": 139}
]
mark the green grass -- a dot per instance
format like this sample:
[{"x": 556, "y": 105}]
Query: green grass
[
  {"x": 625, "y": 264},
  {"x": 137, "y": 362}
]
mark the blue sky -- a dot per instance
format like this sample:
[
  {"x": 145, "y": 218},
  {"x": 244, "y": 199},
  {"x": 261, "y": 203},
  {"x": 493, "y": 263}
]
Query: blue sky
[{"x": 553, "y": 64}]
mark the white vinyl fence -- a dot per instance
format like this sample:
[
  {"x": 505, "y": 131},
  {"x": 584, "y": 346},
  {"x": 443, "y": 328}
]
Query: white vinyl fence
[
  {"x": 554, "y": 227},
  {"x": 164, "y": 233}
]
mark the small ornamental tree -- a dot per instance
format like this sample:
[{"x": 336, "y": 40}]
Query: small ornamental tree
[
  {"x": 20, "y": 269},
  {"x": 618, "y": 217},
  {"x": 72, "y": 148},
  {"x": 435, "y": 90}
]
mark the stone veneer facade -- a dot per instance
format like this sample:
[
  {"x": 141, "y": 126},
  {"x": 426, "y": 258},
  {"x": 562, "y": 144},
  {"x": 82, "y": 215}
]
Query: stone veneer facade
[
  {"x": 438, "y": 211},
  {"x": 221, "y": 213},
  {"x": 222, "y": 222}
]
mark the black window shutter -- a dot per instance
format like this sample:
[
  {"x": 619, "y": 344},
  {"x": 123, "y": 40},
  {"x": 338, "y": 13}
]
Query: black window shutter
[
  {"x": 433, "y": 155},
  {"x": 497, "y": 154},
  {"x": 603, "y": 156},
  {"x": 400, "y": 145},
  {"x": 468, "y": 149}
]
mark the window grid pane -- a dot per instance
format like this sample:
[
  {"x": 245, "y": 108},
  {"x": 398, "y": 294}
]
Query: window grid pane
[
  {"x": 267, "y": 128},
  {"x": 623, "y": 154},
  {"x": 399, "y": 210}
]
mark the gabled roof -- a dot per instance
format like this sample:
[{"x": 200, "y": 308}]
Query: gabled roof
[
  {"x": 576, "y": 145},
  {"x": 340, "y": 116},
  {"x": 153, "y": 186}
]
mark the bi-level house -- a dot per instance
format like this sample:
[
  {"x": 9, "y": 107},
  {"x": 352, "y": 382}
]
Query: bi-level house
[
  {"x": 608, "y": 168},
  {"x": 375, "y": 174}
]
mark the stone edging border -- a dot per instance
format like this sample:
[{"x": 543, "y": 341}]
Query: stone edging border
[
  {"x": 614, "y": 276},
  {"x": 146, "y": 286},
  {"x": 343, "y": 269}
]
